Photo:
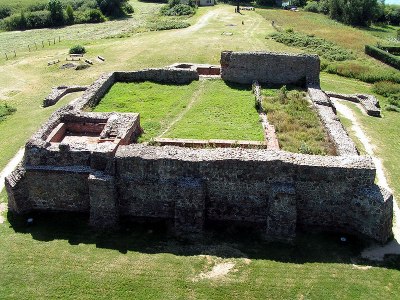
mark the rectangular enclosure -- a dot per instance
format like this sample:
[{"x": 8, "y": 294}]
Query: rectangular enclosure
[{"x": 205, "y": 109}]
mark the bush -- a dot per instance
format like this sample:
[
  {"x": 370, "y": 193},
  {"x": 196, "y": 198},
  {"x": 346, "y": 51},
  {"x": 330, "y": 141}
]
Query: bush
[
  {"x": 5, "y": 11},
  {"x": 37, "y": 7},
  {"x": 362, "y": 71},
  {"x": 77, "y": 49},
  {"x": 38, "y": 19},
  {"x": 128, "y": 9},
  {"x": 386, "y": 88},
  {"x": 6, "y": 110},
  {"x": 383, "y": 56},
  {"x": 322, "y": 47},
  {"x": 394, "y": 100},
  {"x": 111, "y": 7},
  {"x": 165, "y": 24},
  {"x": 178, "y": 10},
  {"x": 312, "y": 6},
  {"x": 392, "y": 108},
  {"x": 94, "y": 16},
  {"x": 266, "y": 2}
]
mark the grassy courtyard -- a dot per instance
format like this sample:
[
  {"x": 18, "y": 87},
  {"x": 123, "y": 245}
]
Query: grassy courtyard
[
  {"x": 66, "y": 260},
  {"x": 209, "y": 109}
]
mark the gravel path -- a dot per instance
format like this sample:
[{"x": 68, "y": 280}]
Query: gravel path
[{"x": 375, "y": 252}]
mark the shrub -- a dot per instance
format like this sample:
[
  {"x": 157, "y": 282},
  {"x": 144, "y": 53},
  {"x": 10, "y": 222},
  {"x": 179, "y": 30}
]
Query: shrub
[
  {"x": 38, "y": 19},
  {"x": 178, "y": 10},
  {"x": 394, "y": 100},
  {"x": 77, "y": 49},
  {"x": 6, "y": 110},
  {"x": 362, "y": 71},
  {"x": 392, "y": 108},
  {"x": 266, "y": 2},
  {"x": 111, "y": 7},
  {"x": 386, "y": 88},
  {"x": 165, "y": 24},
  {"x": 37, "y": 7},
  {"x": 94, "y": 16},
  {"x": 5, "y": 11},
  {"x": 128, "y": 9},
  {"x": 383, "y": 56},
  {"x": 312, "y": 6},
  {"x": 322, "y": 47}
]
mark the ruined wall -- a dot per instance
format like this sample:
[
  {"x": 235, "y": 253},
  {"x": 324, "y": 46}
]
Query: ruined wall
[
  {"x": 243, "y": 185},
  {"x": 270, "y": 68},
  {"x": 276, "y": 191}
]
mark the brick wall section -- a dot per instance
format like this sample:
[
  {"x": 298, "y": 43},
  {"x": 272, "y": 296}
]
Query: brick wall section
[{"x": 270, "y": 68}]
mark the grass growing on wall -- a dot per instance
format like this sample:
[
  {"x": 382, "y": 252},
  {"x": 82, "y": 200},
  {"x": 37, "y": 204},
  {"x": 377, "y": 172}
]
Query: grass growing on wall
[
  {"x": 158, "y": 104},
  {"x": 221, "y": 111}
]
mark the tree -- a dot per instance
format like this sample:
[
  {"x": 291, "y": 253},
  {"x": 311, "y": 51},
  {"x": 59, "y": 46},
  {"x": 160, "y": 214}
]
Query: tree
[
  {"x": 70, "y": 15},
  {"x": 111, "y": 7},
  {"x": 56, "y": 13}
]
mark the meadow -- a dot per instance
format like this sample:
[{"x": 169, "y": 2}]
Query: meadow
[{"x": 67, "y": 260}]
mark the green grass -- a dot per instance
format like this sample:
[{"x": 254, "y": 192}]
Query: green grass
[
  {"x": 157, "y": 104},
  {"x": 69, "y": 261},
  {"x": 217, "y": 111},
  {"x": 297, "y": 125},
  {"x": 221, "y": 111}
]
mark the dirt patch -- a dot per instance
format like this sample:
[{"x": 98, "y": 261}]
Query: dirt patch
[
  {"x": 218, "y": 271},
  {"x": 356, "y": 267},
  {"x": 3, "y": 208}
]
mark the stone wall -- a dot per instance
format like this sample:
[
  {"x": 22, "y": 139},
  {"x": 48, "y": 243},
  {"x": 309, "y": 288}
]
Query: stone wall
[
  {"x": 270, "y": 68},
  {"x": 276, "y": 191}
]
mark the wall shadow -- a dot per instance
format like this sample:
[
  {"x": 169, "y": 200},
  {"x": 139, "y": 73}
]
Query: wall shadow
[{"x": 222, "y": 241}]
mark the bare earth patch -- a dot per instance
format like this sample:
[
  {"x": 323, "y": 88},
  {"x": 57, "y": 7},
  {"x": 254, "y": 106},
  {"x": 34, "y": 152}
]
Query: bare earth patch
[
  {"x": 3, "y": 208},
  {"x": 218, "y": 271}
]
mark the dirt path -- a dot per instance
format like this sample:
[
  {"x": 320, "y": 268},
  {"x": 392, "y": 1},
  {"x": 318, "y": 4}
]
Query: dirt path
[
  {"x": 188, "y": 107},
  {"x": 203, "y": 21},
  {"x": 375, "y": 252}
]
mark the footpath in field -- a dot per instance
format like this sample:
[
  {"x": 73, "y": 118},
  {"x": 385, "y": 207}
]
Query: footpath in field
[{"x": 375, "y": 252}]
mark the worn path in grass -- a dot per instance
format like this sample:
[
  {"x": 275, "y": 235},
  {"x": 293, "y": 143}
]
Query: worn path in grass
[
  {"x": 194, "y": 98},
  {"x": 375, "y": 252}
]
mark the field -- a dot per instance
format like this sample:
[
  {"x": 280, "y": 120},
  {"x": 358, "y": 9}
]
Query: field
[
  {"x": 201, "y": 110},
  {"x": 66, "y": 260}
]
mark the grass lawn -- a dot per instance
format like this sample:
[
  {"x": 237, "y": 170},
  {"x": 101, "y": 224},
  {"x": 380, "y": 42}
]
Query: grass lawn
[
  {"x": 297, "y": 125},
  {"x": 66, "y": 260},
  {"x": 201, "y": 110},
  {"x": 221, "y": 111}
]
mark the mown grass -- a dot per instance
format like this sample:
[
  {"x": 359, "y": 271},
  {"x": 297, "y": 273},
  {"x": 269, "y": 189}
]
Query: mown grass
[
  {"x": 221, "y": 111},
  {"x": 67, "y": 260},
  {"x": 158, "y": 104},
  {"x": 383, "y": 132},
  {"x": 297, "y": 126}
]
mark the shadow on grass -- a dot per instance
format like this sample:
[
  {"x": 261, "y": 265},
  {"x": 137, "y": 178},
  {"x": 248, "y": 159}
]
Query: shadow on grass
[{"x": 222, "y": 241}]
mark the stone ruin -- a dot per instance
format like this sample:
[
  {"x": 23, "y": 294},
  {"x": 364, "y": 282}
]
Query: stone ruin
[{"x": 90, "y": 162}]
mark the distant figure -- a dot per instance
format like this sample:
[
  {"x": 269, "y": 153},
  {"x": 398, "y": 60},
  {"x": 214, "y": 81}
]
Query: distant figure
[
  {"x": 235, "y": 10},
  {"x": 273, "y": 23},
  {"x": 242, "y": 22}
]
